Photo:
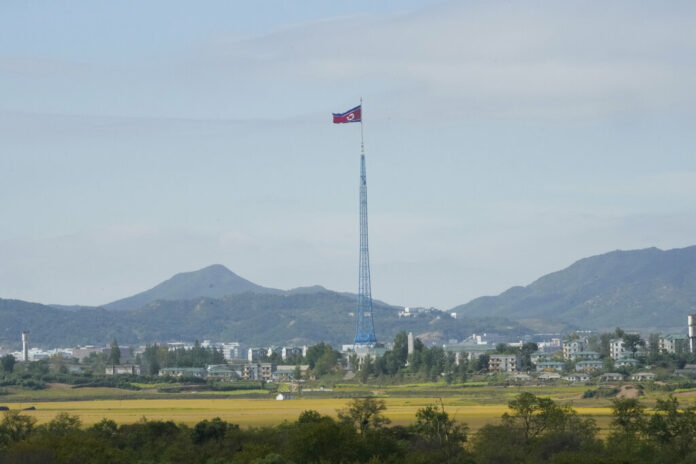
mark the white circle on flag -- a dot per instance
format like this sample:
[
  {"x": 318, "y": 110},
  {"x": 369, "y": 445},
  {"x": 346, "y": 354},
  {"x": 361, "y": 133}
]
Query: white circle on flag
[{"x": 351, "y": 116}]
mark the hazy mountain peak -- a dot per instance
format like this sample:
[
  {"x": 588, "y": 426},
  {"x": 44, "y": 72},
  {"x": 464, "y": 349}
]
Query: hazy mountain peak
[
  {"x": 647, "y": 288},
  {"x": 215, "y": 281}
]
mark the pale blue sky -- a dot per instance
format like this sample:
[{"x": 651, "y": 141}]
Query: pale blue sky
[{"x": 504, "y": 140}]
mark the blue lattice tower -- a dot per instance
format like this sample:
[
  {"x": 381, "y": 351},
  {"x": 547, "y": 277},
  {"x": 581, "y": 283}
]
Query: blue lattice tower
[{"x": 365, "y": 326}]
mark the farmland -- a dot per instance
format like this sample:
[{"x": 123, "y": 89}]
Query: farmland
[
  {"x": 259, "y": 412},
  {"x": 474, "y": 404}
]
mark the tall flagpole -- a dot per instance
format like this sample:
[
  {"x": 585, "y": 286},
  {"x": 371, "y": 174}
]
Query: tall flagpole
[
  {"x": 362, "y": 141},
  {"x": 365, "y": 326}
]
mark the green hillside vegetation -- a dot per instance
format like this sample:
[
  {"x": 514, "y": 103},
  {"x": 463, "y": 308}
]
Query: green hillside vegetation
[
  {"x": 647, "y": 288},
  {"x": 250, "y": 318}
]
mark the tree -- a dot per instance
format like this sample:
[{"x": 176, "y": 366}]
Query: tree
[
  {"x": 629, "y": 416},
  {"x": 439, "y": 430},
  {"x": 317, "y": 439},
  {"x": 654, "y": 345},
  {"x": 115, "y": 354},
  {"x": 482, "y": 362},
  {"x": 297, "y": 373},
  {"x": 532, "y": 414},
  {"x": 8, "y": 362},
  {"x": 629, "y": 427},
  {"x": 326, "y": 362},
  {"x": 150, "y": 359},
  {"x": 309, "y": 416},
  {"x": 315, "y": 352},
  {"x": 400, "y": 349},
  {"x": 533, "y": 431},
  {"x": 604, "y": 344},
  {"x": 210, "y": 430},
  {"x": 632, "y": 342},
  {"x": 673, "y": 430},
  {"x": 353, "y": 362},
  {"x": 526, "y": 354},
  {"x": 504, "y": 348},
  {"x": 364, "y": 414},
  {"x": 58, "y": 363},
  {"x": 105, "y": 429},
  {"x": 366, "y": 368},
  {"x": 15, "y": 427},
  {"x": 63, "y": 424},
  {"x": 593, "y": 343}
]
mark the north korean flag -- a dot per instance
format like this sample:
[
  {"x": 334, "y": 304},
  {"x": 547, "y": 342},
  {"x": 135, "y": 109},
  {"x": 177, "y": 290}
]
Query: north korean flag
[{"x": 354, "y": 115}]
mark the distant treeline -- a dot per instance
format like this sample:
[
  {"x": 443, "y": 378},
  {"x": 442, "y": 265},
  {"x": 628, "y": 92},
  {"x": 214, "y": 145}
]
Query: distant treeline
[
  {"x": 157, "y": 356},
  {"x": 535, "y": 430}
]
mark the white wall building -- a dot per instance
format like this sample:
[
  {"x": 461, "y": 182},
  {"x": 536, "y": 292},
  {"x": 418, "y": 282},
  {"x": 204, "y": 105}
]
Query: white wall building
[{"x": 617, "y": 350}]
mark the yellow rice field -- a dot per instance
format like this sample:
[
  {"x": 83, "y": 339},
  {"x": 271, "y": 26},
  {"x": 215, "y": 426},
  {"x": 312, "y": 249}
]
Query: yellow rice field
[{"x": 261, "y": 412}]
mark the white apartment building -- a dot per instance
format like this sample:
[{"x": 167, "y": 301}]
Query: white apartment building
[
  {"x": 571, "y": 348},
  {"x": 617, "y": 350},
  {"x": 504, "y": 363}
]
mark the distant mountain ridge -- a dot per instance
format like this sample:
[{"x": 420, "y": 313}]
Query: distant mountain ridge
[
  {"x": 214, "y": 281},
  {"x": 639, "y": 289},
  {"x": 648, "y": 288},
  {"x": 249, "y": 318}
]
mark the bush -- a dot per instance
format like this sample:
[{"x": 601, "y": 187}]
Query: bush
[{"x": 600, "y": 393}]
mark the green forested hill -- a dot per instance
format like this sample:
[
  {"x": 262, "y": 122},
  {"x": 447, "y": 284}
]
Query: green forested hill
[
  {"x": 647, "y": 288},
  {"x": 250, "y": 318}
]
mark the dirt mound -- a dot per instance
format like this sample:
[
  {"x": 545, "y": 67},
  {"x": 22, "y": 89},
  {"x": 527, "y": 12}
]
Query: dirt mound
[
  {"x": 629, "y": 391},
  {"x": 59, "y": 386}
]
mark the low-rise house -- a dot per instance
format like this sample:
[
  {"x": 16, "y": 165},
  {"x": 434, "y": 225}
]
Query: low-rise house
[
  {"x": 589, "y": 365},
  {"x": 640, "y": 376},
  {"x": 504, "y": 363},
  {"x": 550, "y": 366},
  {"x": 77, "y": 368},
  {"x": 626, "y": 362},
  {"x": 468, "y": 350},
  {"x": 587, "y": 355},
  {"x": 689, "y": 370},
  {"x": 538, "y": 357},
  {"x": 287, "y": 372},
  {"x": 116, "y": 369},
  {"x": 200, "y": 372},
  {"x": 611, "y": 377},
  {"x": 549, "y": 376},
  {"x": 82, "y": 352},
  {"x": 520, "y": 377},
  {"x": 574, "y": 378},
  {"x": 223, "y": 372}
]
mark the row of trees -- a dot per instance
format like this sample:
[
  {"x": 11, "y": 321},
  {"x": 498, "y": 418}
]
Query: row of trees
[
  {"x": 534, "y": 430},
  {"x": 429, "y": 364},
  {"x": 157, "y": 356}
]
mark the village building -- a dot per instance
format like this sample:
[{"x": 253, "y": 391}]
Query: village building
[
  {"x": 504, "y": 363},
  {"x": 118, "y": 369},
  {"x": 589, "y": 365}
]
